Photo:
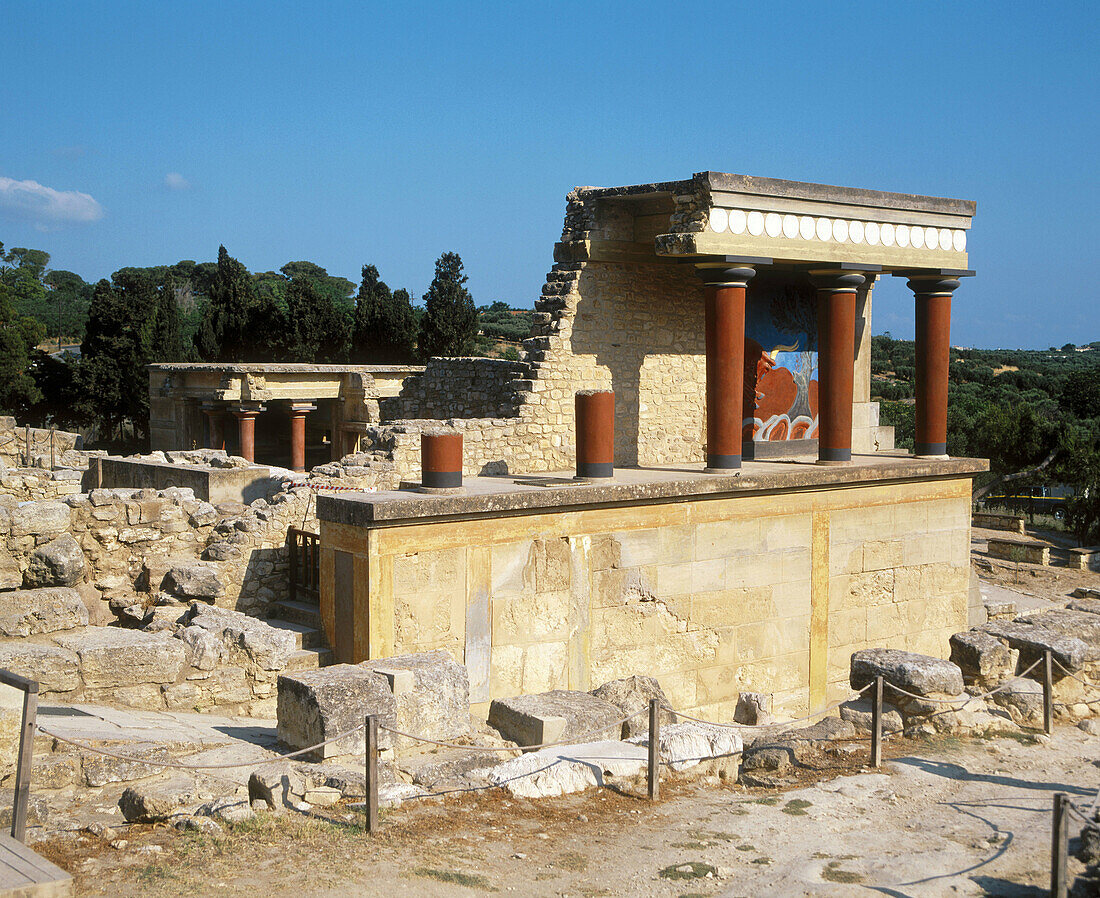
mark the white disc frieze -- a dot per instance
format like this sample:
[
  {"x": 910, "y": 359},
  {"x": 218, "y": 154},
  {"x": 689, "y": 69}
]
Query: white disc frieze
[
  {"x": 840, "y": 230},
  {"x": 824, "y": 229},
  {"x": 790, "y": 226},
  {"x": 916, "y": 237},
  {"x": 773, "y": 224},
  {"x": 738, "y": 221},
  {"x": 931, "y": 238},
  {"x": 945, "y": 239},
  {"x": 901, "y": 235},
  {"x": 719, "y": 220},
  {"x": 872, "y": 233},
  {"x": 887, "y": 234},
  {"x": 756, "y": 223},
  {"x": 855, "y": 231},
  {"x": 806, "y": 227},
  {"x": 958, "y": 240}
]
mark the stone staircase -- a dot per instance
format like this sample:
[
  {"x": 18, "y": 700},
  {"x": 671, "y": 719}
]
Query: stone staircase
[{"x": 303, "y": 619}]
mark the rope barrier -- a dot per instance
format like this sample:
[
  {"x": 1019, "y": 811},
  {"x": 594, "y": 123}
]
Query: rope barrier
[
  {"x": 772, "y": 726},
  {"x": 176, "y": 766}
]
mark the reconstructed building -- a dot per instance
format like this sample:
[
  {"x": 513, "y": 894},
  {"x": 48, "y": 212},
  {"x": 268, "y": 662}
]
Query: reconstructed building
[{"x": 759, "y": 528}]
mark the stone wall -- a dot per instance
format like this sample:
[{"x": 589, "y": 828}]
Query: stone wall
[
  {"x": 15, "y": 441},
  {"x": 713, "y": 597},
  {"x": 457, "y": 388},
  {"x": 38, "y": 484}
]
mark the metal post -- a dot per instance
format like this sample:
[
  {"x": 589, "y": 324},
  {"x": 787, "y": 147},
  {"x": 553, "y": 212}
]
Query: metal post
[
  {"x": 371, "y": 804},
  {"x": 53, "y": 462},
  {"x": 654, "y": 767},
  {"x": 1048, "y": 693},
  {"x": 23, "y": 768},
  {"x": 27, "y": 443},
  {"x": 1058, "y": 845},
  {"x": 876, "y": 723},
  {"x": 292, "y": 538}
]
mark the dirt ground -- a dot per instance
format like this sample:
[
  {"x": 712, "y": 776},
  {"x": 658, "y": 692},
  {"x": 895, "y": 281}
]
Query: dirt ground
[{"x": 942, "y": 817}]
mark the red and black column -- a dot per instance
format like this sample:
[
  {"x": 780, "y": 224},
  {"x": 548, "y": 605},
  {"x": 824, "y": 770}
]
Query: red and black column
[
  {"x": 836, "y": 357},
  {"x": 725, "y": 341},
  {"x": 933, "y": 348}
]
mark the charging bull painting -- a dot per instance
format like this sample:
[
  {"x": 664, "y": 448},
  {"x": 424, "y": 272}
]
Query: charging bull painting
[{"x": 780, "y": 364}]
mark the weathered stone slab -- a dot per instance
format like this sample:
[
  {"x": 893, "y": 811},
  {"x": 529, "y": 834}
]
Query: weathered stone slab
[
  {"x": 981, "y": 656},
  {"x": 574, "y": 768},
  {"x": 919, "y": 674},
  {"x": 156, "y": 801},
  {"x": 432, "y": 692},
  {"x": 205, "y": 650},
  {"x": 631, "y": 695},
  {"x": 268, "y": 647},
  {"x": 1032, "y": 638},
  {"x": 112, "y": 657},
  {"x": 561, "y": 715},
  {"x": 57, "y": 563},
  {"x": 37, "y": 518},
  {"x": 55, "y": 668},
  {"x": 1023, "y": 699},
  {"x": 1026, "y": 550},
  {"x": 753, "y": 709},
  {"x": 194, "y": 580},
  {"x": 316, "y": 705},
  {"x": 859, "y": 713},
  {"x": 688, "y": 744},
  {"x": 28, "y": 612}
]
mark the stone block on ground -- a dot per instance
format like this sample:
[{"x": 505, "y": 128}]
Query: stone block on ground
[
  {"x": 29, "y": 612},
  {"x": 56, "y": 669},
  {"x": 687, "y": 745},
  {"x": 193, "y": 580},
  {"x": 981, "y": 656},
  {"x": 858, "y": 713},
  {"x": 1023, "y": 699},
  {"x": 558, "y": 716},
  {"x": 432, "y": 694},
  {"x": 276, "y": 785},
  {"x": 317, "y": 705},
  {"x": 57, "y": 563},
  {"x": 631, "y": 695},
  {"x": 40, "y": 518},
  {"x": 573, "y": 768},
  {"x": 919, "y": 674},
  {"x": 753, "y": 709},
  {"x": 268, "y": 647},
  {"x": 112, "y": 657},
  {"x": 1033, "y": 636},
  {"x": 154, "y": 802},
  {"x": 205, "y": 650}
]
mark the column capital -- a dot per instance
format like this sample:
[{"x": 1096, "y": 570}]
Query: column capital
[
  {"x": 726, "y": 275},
  {"x": 302, "y": 408},
  {"x": 834, "y": 280},
  {"x": 247, "y": 409},
  {"x": 932, "y": 284}
]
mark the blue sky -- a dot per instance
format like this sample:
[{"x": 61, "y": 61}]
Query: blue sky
[{"x": 347, "y": 133}]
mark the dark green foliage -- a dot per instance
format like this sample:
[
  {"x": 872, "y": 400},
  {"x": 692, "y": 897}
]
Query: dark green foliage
[
  {"x": 19, "y": 334},
  {"x": 317, "y": 330},
  {"x": 502, "y": 322},
  {"x": 384, "y": 329},
  {"x": 449, "y": 325},
  {"x": 232, "y": 315}
]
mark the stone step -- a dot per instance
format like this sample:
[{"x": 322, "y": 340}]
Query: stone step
[
  {"x": 304, "y": 637},
  {"x": 309, "y": 659},
  {"x": 304, "y": 613}
]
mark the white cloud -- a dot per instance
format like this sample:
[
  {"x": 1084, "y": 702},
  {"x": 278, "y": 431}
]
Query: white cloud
[
  {"x": 45, "y": 206},
  {"x": 175, "y": 181}
]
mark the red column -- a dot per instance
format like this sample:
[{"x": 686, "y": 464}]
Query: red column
[
  {"x": 836, "y": 357},
  {"x": 725, "y": 337},
  {"x": 246, "y": 428},
  {"x": 215, "y": 417},
  {"x": 933, "y": 348},
  {"x": 298, "y": 412},
  {"x": 595, "y": 411},
  {"x": 440, "y": 459}
]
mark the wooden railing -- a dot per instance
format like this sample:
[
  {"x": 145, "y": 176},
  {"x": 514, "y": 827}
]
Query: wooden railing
[{"x": 305, "y": 564}]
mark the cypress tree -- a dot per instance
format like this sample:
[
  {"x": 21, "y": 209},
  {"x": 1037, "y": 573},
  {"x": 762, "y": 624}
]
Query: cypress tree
[
  {"x": 449, "y": 325},
  {"x": 384, "y": 328},
  {"x": 316, "y": 328},
  {"x": 225, "y": 335}
]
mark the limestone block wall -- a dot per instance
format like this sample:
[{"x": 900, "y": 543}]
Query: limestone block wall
[
  {"x": 457, "y": 388},
  {"x": 15, "y": 441},
  {"x": 767, "y": 593}
]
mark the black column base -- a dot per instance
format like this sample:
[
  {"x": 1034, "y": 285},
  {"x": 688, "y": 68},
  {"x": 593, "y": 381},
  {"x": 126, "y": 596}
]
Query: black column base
[
  {"x": 718, "y": 464},
  {"x": 833, "y": 456},
  {"x": 441, "y": 480},
  {"x": 930, "y": 449},
  {"x": 601, "y": 470}
]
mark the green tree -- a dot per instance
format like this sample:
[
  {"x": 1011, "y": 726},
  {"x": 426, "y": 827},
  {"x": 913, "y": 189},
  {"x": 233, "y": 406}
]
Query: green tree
[
  {"x": 384, "y": 326},
  {"x": 449, "y": 325},
  {"x": 236, "y": 325},
  {"x": 19, "y": 334},
  {"x": 1081, "y": 393},
  {"x": 317, "y": 329}
]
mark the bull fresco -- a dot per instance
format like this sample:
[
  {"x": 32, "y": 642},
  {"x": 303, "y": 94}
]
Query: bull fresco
[{"x": 780, "y": 363}]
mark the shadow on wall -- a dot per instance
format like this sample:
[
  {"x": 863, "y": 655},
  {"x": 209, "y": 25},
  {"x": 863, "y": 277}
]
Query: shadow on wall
[{"x": 625, "y": 314}]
